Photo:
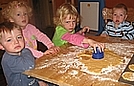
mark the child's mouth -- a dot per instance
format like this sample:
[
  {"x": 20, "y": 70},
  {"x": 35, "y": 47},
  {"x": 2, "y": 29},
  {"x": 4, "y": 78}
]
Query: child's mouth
[
  {"x": 70, "y": 29},
  {"x": 18, "y": 47},
  {"x": 117, "y": 20},
  {"x": 24, "y": 21}
]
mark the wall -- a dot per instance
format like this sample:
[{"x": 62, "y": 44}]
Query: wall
[
  {"x": 57, "y": 3},
  {"x": 42, "y": 11},
  {"x": 3, "y": 3},
  {"x": 111, "y": 3}
]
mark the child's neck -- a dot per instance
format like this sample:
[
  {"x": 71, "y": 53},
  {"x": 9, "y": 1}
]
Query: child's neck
[
  {"x": 22, "y": 28},
  {"x": 116, "y": 25},
  {"x": 16, "y": 53}
]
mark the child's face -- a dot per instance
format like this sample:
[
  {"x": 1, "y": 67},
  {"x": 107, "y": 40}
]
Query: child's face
[
  {"x": 119, "y": 15},
  {"x": 12, "y": 42},
  {"x": 69, "y": 23},
  {"x": 19, "y": 16}
]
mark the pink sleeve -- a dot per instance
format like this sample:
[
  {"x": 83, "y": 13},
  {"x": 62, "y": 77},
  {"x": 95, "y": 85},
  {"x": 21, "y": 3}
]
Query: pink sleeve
[
  {"x": 45, "y": 40},
  {"x": 82, "y": 33},
  {"x": 36, "y": 53},
  {"x": 42, "y": 37},
  {"x": 75, "y": 39}
]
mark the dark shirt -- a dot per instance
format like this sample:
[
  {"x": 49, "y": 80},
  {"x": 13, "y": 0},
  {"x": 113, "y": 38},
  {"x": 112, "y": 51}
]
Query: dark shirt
[{"x": 14, "y": 66}]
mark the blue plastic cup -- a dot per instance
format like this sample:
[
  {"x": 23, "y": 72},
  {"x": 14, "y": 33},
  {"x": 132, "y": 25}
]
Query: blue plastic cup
[{"x": 98, "y": 54}]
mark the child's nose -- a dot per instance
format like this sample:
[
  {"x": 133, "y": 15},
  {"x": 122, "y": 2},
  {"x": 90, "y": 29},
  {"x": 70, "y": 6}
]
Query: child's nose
[
  {"x": 23, "y": 15},
  {"x": 16, "y": 41},
  {"x": 117, "y": 16},
  {"x": 71, "y": 24}
]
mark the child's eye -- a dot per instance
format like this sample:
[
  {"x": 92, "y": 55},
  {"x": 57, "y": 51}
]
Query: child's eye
[
  {"x": 114, "y": 14},
  {"x": 67, "y": 22},
  {"x": 19, "y": 37},
  {"x": 25, "y": 13},
  {"x": 18, "y": 14},
  {"x": 74, "y": 21},
  {"x": 8, "y": 40},
  {"x": 121, "y": 14}
]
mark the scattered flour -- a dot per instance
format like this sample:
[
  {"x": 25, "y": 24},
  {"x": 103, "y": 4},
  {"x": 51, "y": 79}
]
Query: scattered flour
[{"x": 63, "y": 62}]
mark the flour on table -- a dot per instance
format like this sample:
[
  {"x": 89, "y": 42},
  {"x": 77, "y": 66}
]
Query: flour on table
[{"x": 70, "y": 63}]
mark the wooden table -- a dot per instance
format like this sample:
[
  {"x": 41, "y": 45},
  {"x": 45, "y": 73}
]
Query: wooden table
[{"x": 65, "y": 69}]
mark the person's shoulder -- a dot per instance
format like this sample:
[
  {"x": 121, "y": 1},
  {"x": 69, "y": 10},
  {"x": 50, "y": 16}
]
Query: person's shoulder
[
  {"x": 126, "y": 22},
  {"x": 5, "y": 55},
  {"x": 26, "y": 50},
  {"x": 8, "y": 57},
  {"x": 30, "y": 26},
  {"x": 59, "y": 27},
  {"x": 110, "y": 22}
]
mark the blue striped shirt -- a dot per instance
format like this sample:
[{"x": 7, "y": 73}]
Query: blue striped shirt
[{"x": 125, "y": 30}]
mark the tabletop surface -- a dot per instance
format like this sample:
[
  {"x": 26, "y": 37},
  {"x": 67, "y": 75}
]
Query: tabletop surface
[{"x": 74, "y": 66}]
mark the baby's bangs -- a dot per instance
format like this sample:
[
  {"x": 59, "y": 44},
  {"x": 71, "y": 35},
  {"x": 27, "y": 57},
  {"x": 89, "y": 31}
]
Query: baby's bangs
[
  {"x": 5, "y": 30},
  {"x": 71, "y": 16},
  {"x": 17, "y": 4}
]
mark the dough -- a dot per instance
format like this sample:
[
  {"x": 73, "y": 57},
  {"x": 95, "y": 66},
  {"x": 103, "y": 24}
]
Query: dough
[
  {"x": 96, "y": 65},
  {"x": 128, "y": 76},
  {"x": 85, "y": 55},
  {"x": 131, "y": 67}
]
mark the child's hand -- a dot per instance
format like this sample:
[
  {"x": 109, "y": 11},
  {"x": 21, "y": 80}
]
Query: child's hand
[
  {"x": 84, "y": 29},
  {"x": 41, "y": 83},
  {"x": 95, "y": 44},
  {"x": 52, "y": 50},
  {"x": 104, "y": 35}
]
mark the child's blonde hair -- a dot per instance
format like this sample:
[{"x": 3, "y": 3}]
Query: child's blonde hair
[
  {"x": 121, "y": 6},
  {"x": 63, "y": 11},
  {"x": 7, "y": 27},
  {"x": 7, "y": 11}
]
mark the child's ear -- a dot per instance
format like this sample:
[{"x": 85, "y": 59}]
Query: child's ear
[
  {"x": 1, "y": 47},
  {"x": 11, "y": 20}
]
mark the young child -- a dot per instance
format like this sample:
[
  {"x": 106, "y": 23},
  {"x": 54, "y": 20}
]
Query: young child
[
  {"x": 16, "y": 58},
  {"x": 19, "y": 13},
  {"x": 66, "y": 20},
  {"x": 119, "y": 27}
]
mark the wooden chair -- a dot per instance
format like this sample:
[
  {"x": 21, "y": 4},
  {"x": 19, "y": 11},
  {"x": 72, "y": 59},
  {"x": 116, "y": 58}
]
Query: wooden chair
[{"x": 107, "y": 14}]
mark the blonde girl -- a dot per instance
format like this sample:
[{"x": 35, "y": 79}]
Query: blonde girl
[
  {"x": 19, "y": 12},
  {"x": 66, "y": 19}
]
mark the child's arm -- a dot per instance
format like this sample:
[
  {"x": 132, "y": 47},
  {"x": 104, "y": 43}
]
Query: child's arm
[
  {"x": 129, "y": 32},
  {"x": 19, "y": 64},
  {"x": 40, "y": 36},
  {"x": 103, "y": 34},
  {"x": 82, "y": 41},
  {"x": 36, "y": 53},
  {"x": 52, "y": 50},
  {"x": 84, "y": 29},
  {"x": 41, "y": 83},
  {"x": 94, "y": 44},
  {"x": 75, "y": 39}
]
